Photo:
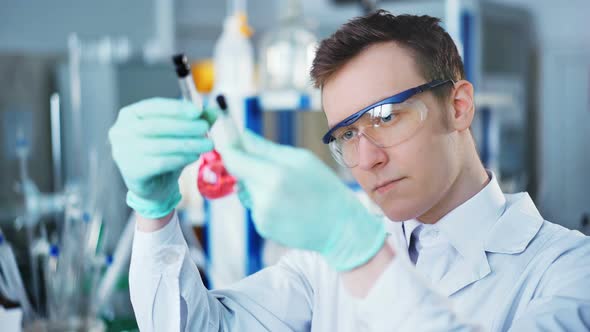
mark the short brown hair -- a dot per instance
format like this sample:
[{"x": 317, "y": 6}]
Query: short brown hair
[{"x": 435, "y": 52}]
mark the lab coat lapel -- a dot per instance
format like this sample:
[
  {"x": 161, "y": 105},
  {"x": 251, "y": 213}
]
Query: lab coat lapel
[
  {"x": 516, "y": 228},
  {"x": 511, "y": 234},
  {"x": 462, "y": 275},
  {"x": 467, "y": 228}
]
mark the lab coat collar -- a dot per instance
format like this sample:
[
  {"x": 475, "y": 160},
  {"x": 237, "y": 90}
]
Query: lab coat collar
[
  {"x": 516, "y": 228},
  {"x": 467, "y": 226},
  {"x": 487, "y": 222}
]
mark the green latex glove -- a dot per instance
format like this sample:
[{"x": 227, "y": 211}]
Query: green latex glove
[
  {"x": 298, "y": 201},
  {"x": 152, "y": 141}
]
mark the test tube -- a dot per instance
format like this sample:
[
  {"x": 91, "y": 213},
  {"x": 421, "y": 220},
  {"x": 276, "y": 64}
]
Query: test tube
[
  {"x": 52, "y": 282},
  {"x": 228, "y": 127},
  {"x": 185, "y": 80}
]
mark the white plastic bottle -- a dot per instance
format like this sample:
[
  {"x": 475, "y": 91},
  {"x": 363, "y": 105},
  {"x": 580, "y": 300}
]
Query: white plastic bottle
[{"x": 233, "y": 61}]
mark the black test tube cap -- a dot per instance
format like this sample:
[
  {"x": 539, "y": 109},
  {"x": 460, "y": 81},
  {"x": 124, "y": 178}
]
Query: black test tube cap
[
  {"x": 181, "y": 65},
  {"x": 221, "y": 102}
]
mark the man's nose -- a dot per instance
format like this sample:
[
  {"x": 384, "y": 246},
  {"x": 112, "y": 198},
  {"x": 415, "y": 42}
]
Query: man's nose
[{"x": 369, "y": 154}]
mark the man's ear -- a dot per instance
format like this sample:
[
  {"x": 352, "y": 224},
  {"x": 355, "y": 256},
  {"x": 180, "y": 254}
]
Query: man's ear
[{"x": 463, "y": 105}]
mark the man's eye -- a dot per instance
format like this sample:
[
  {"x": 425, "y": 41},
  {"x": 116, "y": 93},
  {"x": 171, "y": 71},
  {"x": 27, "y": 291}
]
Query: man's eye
[
  {"x": 347, "y": 135},
  {"x": 388, "y": 118}
]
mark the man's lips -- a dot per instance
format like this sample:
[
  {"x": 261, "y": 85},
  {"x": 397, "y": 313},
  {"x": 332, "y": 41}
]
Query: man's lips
[{"x": 386, "y": 185}]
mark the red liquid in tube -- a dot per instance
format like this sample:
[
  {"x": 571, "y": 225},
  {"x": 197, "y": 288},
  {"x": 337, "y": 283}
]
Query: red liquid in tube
[{"x": 213, "y": 179}]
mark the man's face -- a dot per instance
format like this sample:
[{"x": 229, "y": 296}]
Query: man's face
[{"x": 407, "y": 179}]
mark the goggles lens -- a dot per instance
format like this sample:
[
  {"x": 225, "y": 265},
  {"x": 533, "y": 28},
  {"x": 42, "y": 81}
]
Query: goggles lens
[{"x": 384, "y": 125}]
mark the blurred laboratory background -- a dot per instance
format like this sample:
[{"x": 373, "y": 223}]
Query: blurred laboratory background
[{"x": 67, "y": 67}]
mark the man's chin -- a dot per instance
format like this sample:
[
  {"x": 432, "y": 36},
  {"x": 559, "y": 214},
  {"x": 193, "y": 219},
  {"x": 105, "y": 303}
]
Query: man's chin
[{"x": 398, "y": 213}]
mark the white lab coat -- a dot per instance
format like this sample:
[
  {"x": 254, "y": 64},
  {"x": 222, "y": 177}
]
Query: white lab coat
[{"x": 516, "y": 272}]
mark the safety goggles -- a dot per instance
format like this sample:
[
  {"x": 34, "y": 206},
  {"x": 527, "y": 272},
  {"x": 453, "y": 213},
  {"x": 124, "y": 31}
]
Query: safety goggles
[{"x": 385, "y": 123}]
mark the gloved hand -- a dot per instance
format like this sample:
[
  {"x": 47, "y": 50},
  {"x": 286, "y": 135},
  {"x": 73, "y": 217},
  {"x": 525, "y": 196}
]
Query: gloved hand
[
  {"x": 152, "y": 141},
  {"x": 297, "y": 200}
]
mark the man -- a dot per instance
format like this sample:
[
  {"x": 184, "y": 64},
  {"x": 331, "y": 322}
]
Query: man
[{"x": 465, "y": 257}]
